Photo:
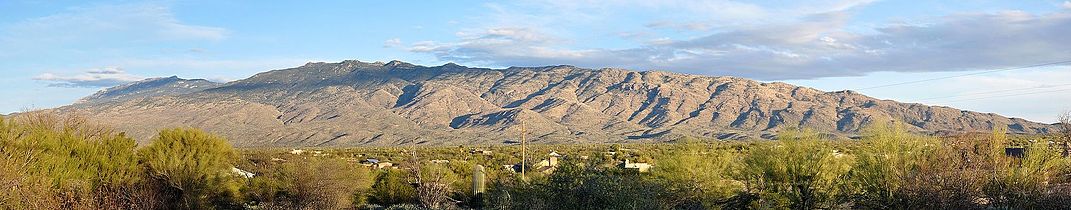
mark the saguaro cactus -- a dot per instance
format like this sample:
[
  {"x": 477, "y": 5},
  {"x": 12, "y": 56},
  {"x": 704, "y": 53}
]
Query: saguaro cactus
[
  {"x": 478, "y": 180},
  {"x": 479, "y": 185}
]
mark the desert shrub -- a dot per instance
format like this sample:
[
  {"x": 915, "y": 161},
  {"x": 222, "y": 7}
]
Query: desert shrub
[
  {"x": 1024, "y": 183},
  {"x": 434, "y": 184},
  {"x": 194, "y": 168},
  {"x": 461, "y": 182},
  {"x": 392, "y": 187},
  {"x": 314, "y": 183},
  {"x": 889, "y": 159},
  {"x": 698, "y": 174},
  {"x": 799, "y": 171},
  {"x": 404, "y": 207},
  {"x": 22, "y": 190},
  {"x": 573, "y": 186},
  {"x": 66, "y": 160}
]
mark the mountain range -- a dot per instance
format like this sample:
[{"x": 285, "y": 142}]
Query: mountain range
[{"x": 353, "y": 103}]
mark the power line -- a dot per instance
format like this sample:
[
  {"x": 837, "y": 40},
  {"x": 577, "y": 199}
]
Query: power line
[
  {"x": 970, "y": 74},
  {"x": 1010, "y": 95},
  {"x": 995, "y": 91}
]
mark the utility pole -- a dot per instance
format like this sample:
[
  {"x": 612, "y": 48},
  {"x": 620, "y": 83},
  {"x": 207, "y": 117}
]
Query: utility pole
[{"x": 524, "y": 152}]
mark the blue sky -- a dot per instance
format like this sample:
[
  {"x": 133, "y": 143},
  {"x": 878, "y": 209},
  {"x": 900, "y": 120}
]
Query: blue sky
[{"x": 54, "y": 52}]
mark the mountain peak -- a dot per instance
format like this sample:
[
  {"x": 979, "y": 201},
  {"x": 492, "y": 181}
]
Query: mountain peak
[
  {"x": 151, "y": 87},
  {"x": 399, "y": 64}
]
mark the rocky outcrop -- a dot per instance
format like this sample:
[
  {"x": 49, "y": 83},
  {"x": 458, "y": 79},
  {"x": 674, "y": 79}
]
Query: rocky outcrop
[{"x": 360, "y": 103}]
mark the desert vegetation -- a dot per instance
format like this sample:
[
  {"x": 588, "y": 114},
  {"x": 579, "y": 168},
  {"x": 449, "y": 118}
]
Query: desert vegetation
[{"x": 49, "y": 161}]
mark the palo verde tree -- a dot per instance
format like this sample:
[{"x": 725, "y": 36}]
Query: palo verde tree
[
  {"x": 1024, "y": 183},
  {"x": 65, "y": 155},
  {"x": 391, "y": 187},
  {"x": 698, "y": 171},
  {"x": 890, "y": 159},
  {"x": 194, "y": 166},
  {"x": 800, "y": 171}
]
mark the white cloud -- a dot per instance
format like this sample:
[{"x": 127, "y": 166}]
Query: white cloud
[
  {"x": 515, "y": 46},
  {"x": 106, "y": 71},
  {"x": 693, "y": 15},
  {"x": 1067, "y": 4},
  {"x": 94, "y": 78},
  {"x": 814, "y": 46},
  {"x": 726, "y": 10},
  {"x": 392, "y": 43}
]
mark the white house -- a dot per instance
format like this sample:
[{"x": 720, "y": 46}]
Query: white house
[
  {"x": 640, "y": 167},
  {"x": 242, "y": 173},
  {"x": 440, "y": 161}
]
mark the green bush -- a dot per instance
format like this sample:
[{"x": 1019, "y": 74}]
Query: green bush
[
  {"x": 48, "y": 161},
  {"x": 799, "y": 171},
  {"x": 66, "y": 161},
  {"x": 1024, "y": 183},
  {"x": 194, "y": 166},
  {"x": 574, "y": 186},
  {"x": 313, "y": 183},
  {"x": 698, "y": 172},
  {"x": 392, "y": 187},
  {"x": 889, "y": 159}
]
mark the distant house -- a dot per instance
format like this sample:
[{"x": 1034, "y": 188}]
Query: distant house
[
  {"x": 545, "y": 169},
  {"x": 480, "y": 152},
  {"x": 440, "y": 161},
  {"x": 297, "y": 152},
  {"x": 376, "y": 163},
  {"x": 548, "y": 165},
  {"x": 545, "y": 166},
  {"x": 551, "y": 161},
  {"x": 241, "y": 172},
  {"x": 639, "y": 167},
  {"x": 837, "y": 154}
]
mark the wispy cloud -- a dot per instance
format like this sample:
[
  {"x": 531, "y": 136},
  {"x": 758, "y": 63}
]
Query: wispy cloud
[
  {"x": 497, "y": 46},
  {"x": 392, "y": 43},
  {"x": 153, "y": 21},
  {"x": 94, "y": 78},
  {"x": 811, "y": 46},
  {"x": 103, "y": 27}
]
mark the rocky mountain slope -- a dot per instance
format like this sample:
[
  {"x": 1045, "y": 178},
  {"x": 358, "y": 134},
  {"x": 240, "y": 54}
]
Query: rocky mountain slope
[{"x": 360, "y": 103}]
